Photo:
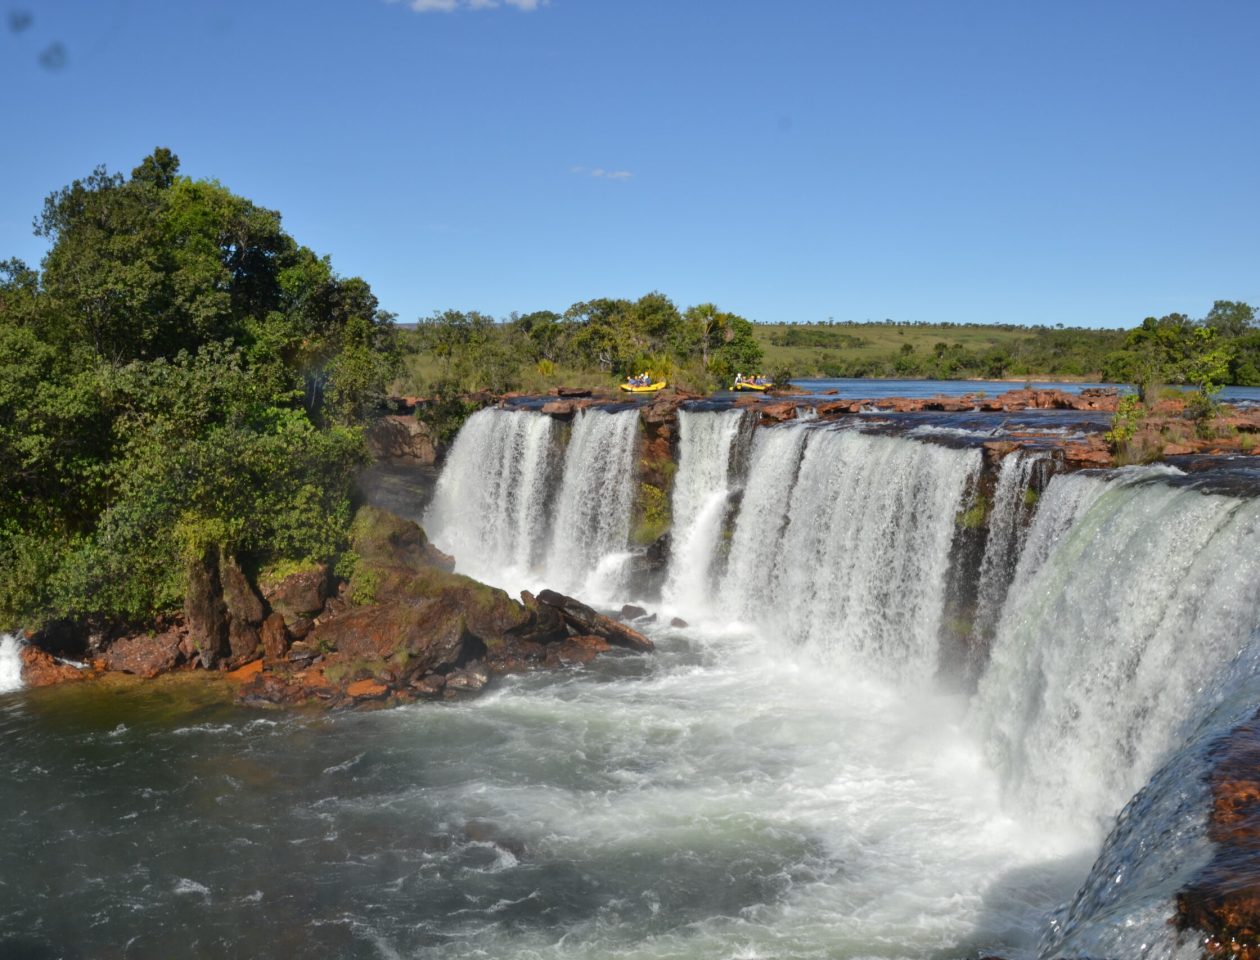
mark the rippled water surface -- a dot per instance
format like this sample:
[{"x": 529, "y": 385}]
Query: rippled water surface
[{"x": 706, "y": 802}]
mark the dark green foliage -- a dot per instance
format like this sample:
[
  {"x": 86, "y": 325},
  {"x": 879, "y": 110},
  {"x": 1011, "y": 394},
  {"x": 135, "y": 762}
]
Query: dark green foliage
[
  {"x": 180, "y": 375},
  {"x": 614, "y": 337}
]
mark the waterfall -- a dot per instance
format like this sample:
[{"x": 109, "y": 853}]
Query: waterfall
[
  {"x": 517, "y": 509},
  {"x": 758, "y": 538},
  {"x": 490, "y": 506},
  {"x": 701, "y": 491},
  {"x": 596, "y": 496},
  {"x": 10, "y": 662},
  {"x": 1131, "y": 598},
  {"x": 858, "y": 570},
  {"x": 1008, "y": 528}
]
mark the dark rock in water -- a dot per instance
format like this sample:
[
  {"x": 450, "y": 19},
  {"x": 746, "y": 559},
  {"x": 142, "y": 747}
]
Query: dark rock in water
[
  {"x": 646, "y": 571},
  {"x": 632, "y": 612},
  {"x": 583, "y": 620},
  {"x": 483, "y": 831},
  {"x": 299, "y": 596},
  {"x": 678, "y": 622},
  {"x": 576, "y": 650},
  {"x": 275, "y": 639},
  {"x": 42, "y": 669},
  {"x": 204, "y": 610},
  {"x": 547, "y": 625},
  {"x": 469, "y": 680},
  {"x": 1224, "y": 899},
  {"x": 573, "y": 391},
  {"x": 146, "y": 656},
  {"x": 431, "y": 685}
]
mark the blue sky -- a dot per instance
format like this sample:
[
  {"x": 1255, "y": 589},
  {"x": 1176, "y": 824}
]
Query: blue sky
[{"x": 1056, "y": 162}]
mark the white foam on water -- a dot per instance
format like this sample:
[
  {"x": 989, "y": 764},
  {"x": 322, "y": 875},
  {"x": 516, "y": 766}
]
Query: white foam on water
[{"x": 10, "y": 662}]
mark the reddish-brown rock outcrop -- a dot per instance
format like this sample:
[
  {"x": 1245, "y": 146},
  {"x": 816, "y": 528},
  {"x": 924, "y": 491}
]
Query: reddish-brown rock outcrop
[
  {"x": 41, "y": 669},
  {"x": 1224, "y": 899},
  {"x": 146, "y": 655}
]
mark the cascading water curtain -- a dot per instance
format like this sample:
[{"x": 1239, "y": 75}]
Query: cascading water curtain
[{"x": 853, "y": 561}]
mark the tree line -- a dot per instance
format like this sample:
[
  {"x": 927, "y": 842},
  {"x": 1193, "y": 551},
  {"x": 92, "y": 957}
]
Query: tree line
[
  {"x": 178, "y": 376},
  {"x": 701, "y": 346}
]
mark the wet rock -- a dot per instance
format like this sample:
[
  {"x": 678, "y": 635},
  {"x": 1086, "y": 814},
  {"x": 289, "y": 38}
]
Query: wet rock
[
  {"x": 469, "y": 680},
  {"x": 430, "y": 685},
  {"x": 778, "y": 412},
  {"x": 559, "y": 408},
  {"x": 367, "y": 690},
  {"x": 42, "y": 669},
  {"x": 575, "y": 650},
  {"x": 147, "y": 655},
  {"x": 274, "y": 637},
  {"x": 631, "y": 612},
  {"x": 245, "y": 673},
  {"x": 583, "y": 620},
  {"x": 547, "y": 625},
  {"x": 678, "y": 622},
  {"x": 1223, "y": 901}
]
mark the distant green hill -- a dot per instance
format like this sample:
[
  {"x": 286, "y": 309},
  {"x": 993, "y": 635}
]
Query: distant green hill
[{"x": 945, "y": 351}]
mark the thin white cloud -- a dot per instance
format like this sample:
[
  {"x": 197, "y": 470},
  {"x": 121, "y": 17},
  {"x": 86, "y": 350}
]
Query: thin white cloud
[
  {"x": 599, "y": 173},
  {"x": 450, "y": 6}
]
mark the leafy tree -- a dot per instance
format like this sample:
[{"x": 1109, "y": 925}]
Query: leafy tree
[
  {"x": 179, "y": 375},
  {"x": 1229, "y": 318}
]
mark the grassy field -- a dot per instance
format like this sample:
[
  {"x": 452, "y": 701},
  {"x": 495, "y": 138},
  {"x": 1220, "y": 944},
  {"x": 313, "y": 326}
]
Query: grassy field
[{"x": 879, "y": 349}]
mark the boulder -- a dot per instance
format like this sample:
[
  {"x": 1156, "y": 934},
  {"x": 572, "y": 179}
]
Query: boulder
[
  {"x": 146, "y": 655},
  {"x": 631, "y": 612},
  {"x": 560, "y": 408},
  {"x": 299, "y": 595},
  {"x": 243, "y": 641},
  {"x": 239, "y": 596},
  {"x": 583, "y": 620},
  {"x": 401, "y": 639},
  {"x": 575, "y": 650},
  {"x": 778, "y": 412},
  {"x": 204, "y": 610},
  {"x": 381, "y": 538},
  {"x": 430, "y": 685},
  {"x": 275, "y": 639},
  {"x": 42, "y": 669},
  {"x": 547, "y": 625},
  {"x": 678, "y": 622},
  {"x": 469, "y": 680}
]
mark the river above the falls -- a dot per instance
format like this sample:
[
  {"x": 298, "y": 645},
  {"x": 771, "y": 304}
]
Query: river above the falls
[{"x": 709, "y": 801}]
